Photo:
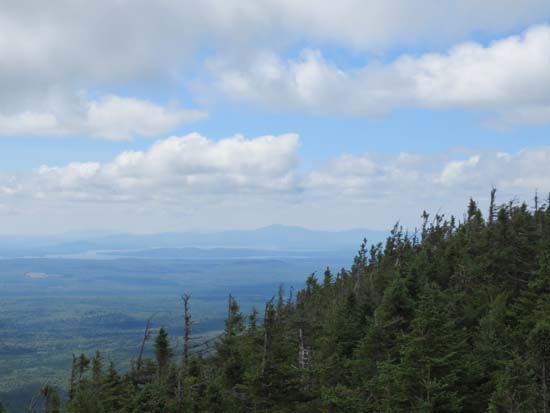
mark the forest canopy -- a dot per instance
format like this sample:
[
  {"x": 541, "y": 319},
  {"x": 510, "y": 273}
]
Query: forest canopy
[{"x": 453, "y": 317}]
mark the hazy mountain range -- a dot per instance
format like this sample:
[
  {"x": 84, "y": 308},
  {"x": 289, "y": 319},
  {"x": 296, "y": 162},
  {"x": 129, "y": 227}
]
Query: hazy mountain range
[{"x": 191, "y": 244}]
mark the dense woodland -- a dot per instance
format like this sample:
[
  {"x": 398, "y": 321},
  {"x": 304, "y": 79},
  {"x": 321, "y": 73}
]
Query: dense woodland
[{"x": 454, "y": 317}]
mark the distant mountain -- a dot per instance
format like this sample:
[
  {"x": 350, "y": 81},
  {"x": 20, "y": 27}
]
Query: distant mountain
[
  {"x": 274, "y": 237},
  {"x": 271, "y": 237},
  {"x": 225, "y": 253}
]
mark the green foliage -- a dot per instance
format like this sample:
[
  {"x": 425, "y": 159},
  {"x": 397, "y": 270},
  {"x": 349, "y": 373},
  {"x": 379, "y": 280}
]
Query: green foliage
[
  {"x": 452, "y": 319},
  {"x": 52, "y": 401},
  {"x": 163, "y": 351}
]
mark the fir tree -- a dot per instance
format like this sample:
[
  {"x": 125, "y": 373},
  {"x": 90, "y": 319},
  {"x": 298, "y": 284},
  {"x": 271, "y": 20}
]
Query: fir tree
[{"x": 163, "y": 351}]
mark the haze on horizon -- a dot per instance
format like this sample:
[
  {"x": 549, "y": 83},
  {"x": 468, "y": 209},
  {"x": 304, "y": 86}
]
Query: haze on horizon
[{"x": 186, "y": 116}]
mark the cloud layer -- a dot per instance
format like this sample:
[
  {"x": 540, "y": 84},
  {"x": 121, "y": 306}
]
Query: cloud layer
[
  {"x": 105, "y": 40},
  {"x": 51, "y": 56},
  {"x": 110, "y": 117},
  {"x": 119, "y": 70},
  {"x": 239, "y": 182},
  {"x": 509, "y": 78},
  {"x": 467, "y": 173}
]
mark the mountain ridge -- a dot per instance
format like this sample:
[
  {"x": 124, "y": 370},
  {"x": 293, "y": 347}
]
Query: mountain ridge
[{"x": 272, "y": 237}]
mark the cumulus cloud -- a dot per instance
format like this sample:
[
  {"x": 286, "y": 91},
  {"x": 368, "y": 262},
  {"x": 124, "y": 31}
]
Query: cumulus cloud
[
  {"x": 49, "y": 54},
  {"x": 114, "y": 117},
  {"x": 244, "y": 182},
  {"x": 117, "y": 40},
  {"x": 457, "y": 171},
  {"x": 28, "y": 123},
  {"x": 175, "y": 168},
  {"x": 509, "y": 78},
  {"x": 430, "y": 179},
  {"x": 110, "y": 117}
]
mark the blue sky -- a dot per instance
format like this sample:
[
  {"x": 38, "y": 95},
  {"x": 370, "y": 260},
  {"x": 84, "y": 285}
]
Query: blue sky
[
  {"x": 354, "y": 114},
  {"x": 322, "y": 137}
]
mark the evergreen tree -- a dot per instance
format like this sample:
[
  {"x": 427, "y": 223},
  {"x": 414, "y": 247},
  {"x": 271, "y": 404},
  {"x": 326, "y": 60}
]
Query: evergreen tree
[
  {"x": 163, "y": 351},
  {"x": 454, "y": 318},
  {"x": 52, "y": 402}
]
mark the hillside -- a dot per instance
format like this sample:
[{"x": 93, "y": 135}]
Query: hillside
[{"x": 452, "y": 318}]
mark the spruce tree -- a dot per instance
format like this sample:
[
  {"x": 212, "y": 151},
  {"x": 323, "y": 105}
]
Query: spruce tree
[{"x": 163, "y": 351}]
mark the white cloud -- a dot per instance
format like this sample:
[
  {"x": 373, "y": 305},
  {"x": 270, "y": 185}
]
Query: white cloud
[
  {"x": 457, "y": 171},
  {"x": 176, "y": 168},
  {"x": 50, "y": 53},
  {"x": 117, "y": 118},
  {"x": 437, "y": 176},
  {"x": 110, "y": 117},
  {"x": 238, "y": 182},
  {"x": 510, "y": 78},
  {"x": 28, "y": 123},
  {"x": 375, "y": 24},
  {"x": 106, "y": 40}
]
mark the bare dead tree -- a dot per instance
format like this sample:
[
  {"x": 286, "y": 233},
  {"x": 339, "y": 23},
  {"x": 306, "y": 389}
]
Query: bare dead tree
[
  {"x": 229, "y": 323},
  {"x": 267, "y": 332},
  {"x": 52, "y": 403},
  {"x": 42, "y": 397},
  {"x": 266, "y": 336},
  {"x": 302, "y": 351},
  {"x": 187, "y": 329},
  {"x": 185, "y": 357},
  {"x": 34, "y": 402},
  {"x": 538, "y": 217},
  {"x": 304, "y": 360},
  {"x": 290, "y": 296},
  {"x": 492, "y": 208},
  {"x": 146, "y": 337}
]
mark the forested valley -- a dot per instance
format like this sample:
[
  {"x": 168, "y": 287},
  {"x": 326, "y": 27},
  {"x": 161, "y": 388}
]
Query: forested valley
[{"x": 453, "y": 317}]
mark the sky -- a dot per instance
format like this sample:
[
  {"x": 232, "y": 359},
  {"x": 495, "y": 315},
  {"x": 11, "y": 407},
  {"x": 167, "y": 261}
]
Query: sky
[{"x": 139, "y": 116}]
